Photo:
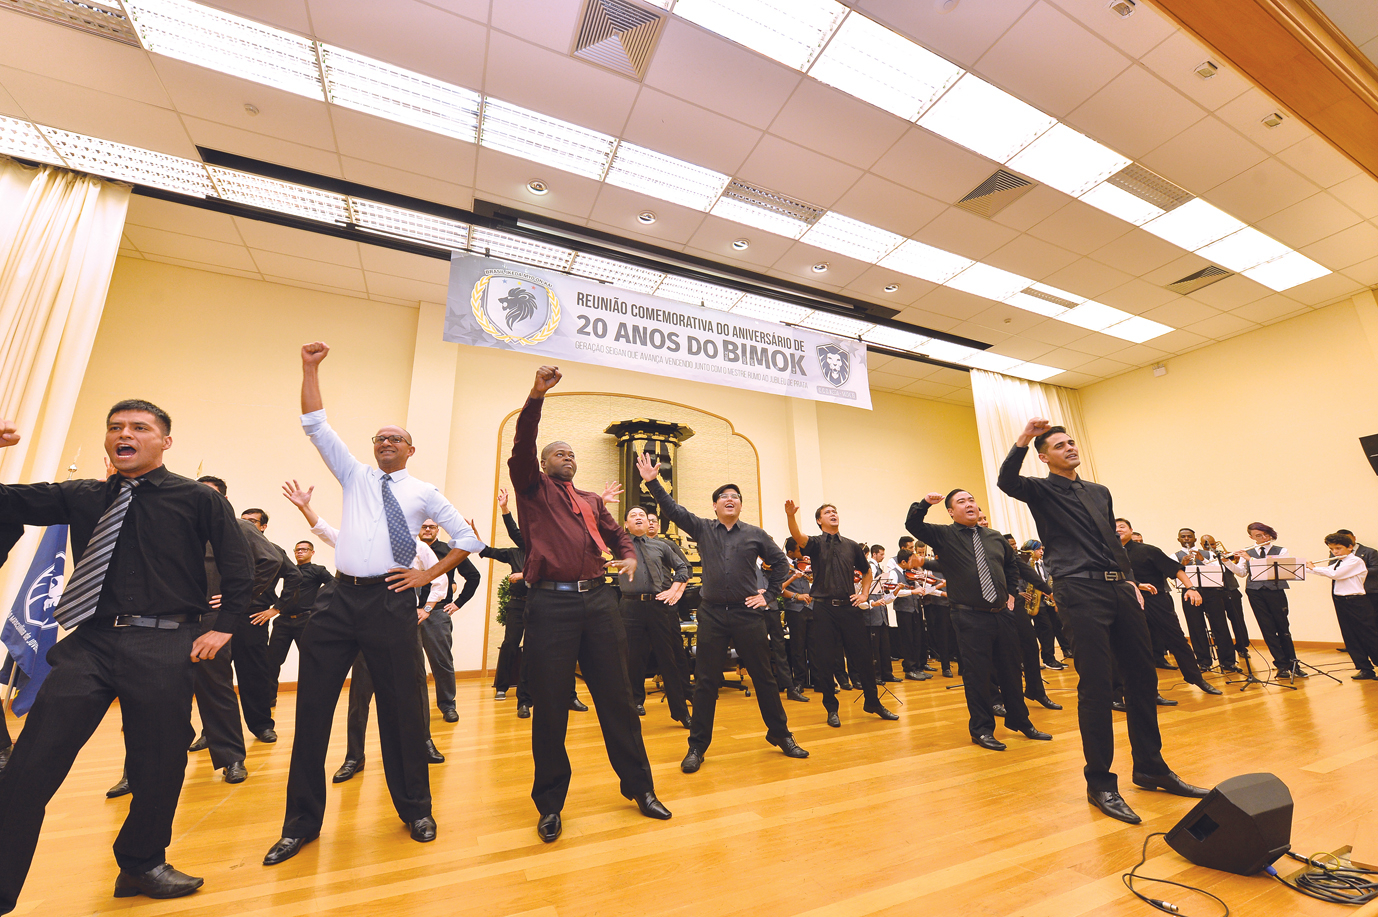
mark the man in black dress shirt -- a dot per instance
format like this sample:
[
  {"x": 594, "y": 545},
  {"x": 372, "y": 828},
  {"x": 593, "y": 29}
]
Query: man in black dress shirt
[
  {"x": 132, "y": 601},
  {"x": 1093, "y": 584},
  {"x": 294, "y": 612},
  {"x": 729, "y": 609},
  {"x": 437, "y": 631},
  {"x": 981, "y": 581},
  {"x": 838, "y": 628},
  {"x": 252, "y": 661},
  {"x": 648, "y": 613}
]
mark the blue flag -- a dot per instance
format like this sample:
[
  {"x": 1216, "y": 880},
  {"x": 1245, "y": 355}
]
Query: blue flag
[{"x": 30, "y": 629}]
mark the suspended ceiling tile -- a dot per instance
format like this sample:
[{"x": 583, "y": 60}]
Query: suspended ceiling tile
[
  {"x": 94, "y": 63},
  {"x": 289, "y": 15},
  {"x": 219, "y": 136},
  {"x": 933, "y": 166},
  {"x": 1180, "y": 341},
  {"x": 923, "y": 318},
  {"x": 1262, "y": 191},
  {"x": 502, "y": 175},
  {"x": 619, "y": 207},
  {"x": 1360, "y": 193},
  {"x": 352, "y": 292},
  {"x": 1032, "y": 208},
  {"x": 404, "y": 288},
  {"x": 685, "y": 131},
  {"x": 871, "y": 283},
  {"x": 1311, "y": 220},
  {"x": 711, "y": 71},
  {"x": 965, "y": 234},
  {"x": 1104, "y": 368},
  {"x": 1319, "y": 161},
  {"x": 1185, "y": 265},
  {"x": 9, "y": 105},
  {"x": 1063, "y": 358},
  {"x": 885, "y": 382},
  {"x": 1136, "y": 113},
  {"x": 883, "y": 203},
  {"x": 1073, "y": 380},
  {"x": 550, "y": 24},
  {"x": 558, "y": 85},
  {"x": 1182, "y": 311},
  {"x": 1088, "y": 278},
  {"x": 272, "y": 237},
  {"x": 1023, "y": 348},
  {"x": 640, "y": 234},
  {"x": 379, "y": 260},
  {"x": 1137, "y": 296},
  {"x": 797, "y": 172},
  {"x": 1231, "y": 293},
  {"x": 399, "y": 146},
  {"x": 1137, "y": 252},
  {"x": 409, "y": 183},
  {"x": 927, "y": 388},
  {"x": 1220, "y": 327},
  {"x": 954, "y": 377},
  {"x": 1053, "y": 332},
  {"x": 1141, "y": 355},
  {"x": 799, "y": 260},
  {"x": 1030, "y": 257},
  {"x": 970, "y": 329},
  {"x": 1365, "y": 272},
  {"x": 1135, "y": 35},
  {"x": 291, "y": 267},
  {"x": 961, "y": 34},
  {"x": 182, "y": 218},
  {"x": 1324, "y": 290},
  {"x": 1005, "y": 319},
  {"x": 1246, "y": 113},
  {"x": 953, "y": 303},
  {"x": 152, "y": 242},
  {"x": 715, "y": 236},
  {"x": 1269, "y": 309},
  {"x": 1019, "y": 61},
  {"x": 1096, "y": 344},
  {"x": 204, "y": 266},
  {"x": 837, "y": 124},
  {"x": 1176, "y": 60},
  {"x": 1080, "y": 228},
  {"x": 961, "y": 396},
  {"x": 1203, "y": 156},
  {"x": 1346, "y": 247},
  {"x": 416, "y": 36},
  {"x": 477, "y": 10},
  {"x": 209, "y": 95}
]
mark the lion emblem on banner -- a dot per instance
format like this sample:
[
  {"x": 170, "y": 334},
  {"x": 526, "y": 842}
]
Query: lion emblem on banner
[
  {"x": 835, "y": 364},
  {"x": 515, "y": 307}
]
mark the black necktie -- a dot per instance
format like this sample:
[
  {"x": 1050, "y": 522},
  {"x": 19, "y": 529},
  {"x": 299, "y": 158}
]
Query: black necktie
[{"x": 643, "y": 573}]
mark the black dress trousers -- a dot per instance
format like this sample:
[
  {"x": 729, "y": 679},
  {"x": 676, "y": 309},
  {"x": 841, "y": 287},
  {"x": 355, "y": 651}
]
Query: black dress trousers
[
  {"x": 1110, "y": 630},
  {"x": 938, "y": 618},
  {"x": 565, "y": 629},
  {"x": 217, "y": 703},
  {"x": 257, "y": 677},
  {"x": 779, "y": 650},
  {"x": 511, "y": 667},
  {"x": 913, "y": 643},
  {"x": 1270, "y": 610},
  {"x": 990, "y": 654},
  {"x": 745, "y": 628},
  {"x": 381, "y": 624},
  {"x": 287, "y": 629},
  {"x": 1213, "y": 605},
  {"x": 150, "y": 672},
  {"x": 1200, "y": 636},
  {"x": 653, "y": 627},
  {"x": 1162, "y": 621},
  {"x": 800, "y": 623},
  {"x": 837, "y": 634},
  {"x": 1027, "y": 648},
  {"x": 361, "y": 696},
  {"x": 1357, "y": 620}
]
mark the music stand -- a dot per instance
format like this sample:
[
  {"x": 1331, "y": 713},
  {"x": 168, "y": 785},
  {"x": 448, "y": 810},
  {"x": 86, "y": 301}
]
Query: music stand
[
  {"x": 1203, "y": 576},
  {"x": 1278, "y": 568}
]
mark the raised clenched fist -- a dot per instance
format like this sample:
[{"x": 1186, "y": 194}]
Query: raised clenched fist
[
  {"x": 314, "y": 353},
  {"x": 9, "y": 433},
  {"x": 547, "y": 377},
  {"x": 934, "y": 498}
]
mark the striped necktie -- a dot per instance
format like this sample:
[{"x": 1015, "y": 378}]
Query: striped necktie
[
  {"x": 403, "y": 544},
  {"x": 82, "y": 592},
  {"x": 988, "y": 590}
]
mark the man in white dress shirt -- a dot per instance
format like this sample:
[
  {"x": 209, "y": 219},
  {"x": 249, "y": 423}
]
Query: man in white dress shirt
[{"x": 373, "y": 610}]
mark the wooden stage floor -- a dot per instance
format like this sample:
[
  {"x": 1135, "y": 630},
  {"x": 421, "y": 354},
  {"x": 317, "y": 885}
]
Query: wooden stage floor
[{"x": 899, "y": 818}]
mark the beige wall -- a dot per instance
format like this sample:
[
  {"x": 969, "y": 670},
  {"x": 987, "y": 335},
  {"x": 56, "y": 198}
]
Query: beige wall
[{"x": 1262, "y": 427}]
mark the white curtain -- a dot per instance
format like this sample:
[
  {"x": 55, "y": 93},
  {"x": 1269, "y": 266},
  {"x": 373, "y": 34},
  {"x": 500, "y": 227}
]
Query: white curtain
[
  {"x": 1003, "y": 406},
  {"x": 59, "y": 237}
]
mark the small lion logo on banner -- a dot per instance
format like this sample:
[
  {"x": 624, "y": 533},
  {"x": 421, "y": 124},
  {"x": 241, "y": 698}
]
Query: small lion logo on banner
[
  {"x": 835, "y": 363},
  {"x": 516, "y": 307}
]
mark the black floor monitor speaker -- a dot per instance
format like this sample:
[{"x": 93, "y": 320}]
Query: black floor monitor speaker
[
  {"x": 1242, "y": 826},
  {"x": 1370, "y": 446}
]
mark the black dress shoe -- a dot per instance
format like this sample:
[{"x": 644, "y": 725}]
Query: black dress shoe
[
  {"x": 844, "y": 685},
  {"x": 523, "y": 712},
  {"x": 1170, "y": 783},
  {"x": 990, "y": 742},
  {"x": 422, "y": 830},
  {"x": 200, "y": 744},
  {"x": 1031, "y": 733},
  {"x": 1112, "y": 804},
  {"x": 576, "y": 704},
  {"x": 235, "y": 772},
  {"x": 687, "y": 722},
  {"x": 1162, "y": 663},
  {"x": 433, "y": 755},
  {"x": 833, "y": 721},
  {"x": 1117, "y": 705},
  {"x": 500, "y": 694},
  {"x": 5, "y": 757},
  {"x": 796, "y": 694},
  {"x": 347, "y": 770},
  {"x": 159, "y": 882},
  {"x": 998, "y": 709},
  {"x": 1209, "y": 688},
  {"x": 640, "y": 709},
  {"x": 1048, "y": 702},
  {"x": 1364, "y": 676},
  {"x": 450, "y": 716},
  {"x": 119, "y": 789},
  {"x": 285, "y": 849},
  {"x": 1164, "y": 702},
  {"x": 267, "y": 735},
  {"x": 917, "y": 676},
  {"x": 879, "y": 710},
  {"x": 1230, "y": 669},
  {"x": 789, "y": 747},
  {"x": 549, "y": 827},
  {"x": 652, "y": 807},
  {"x": 947, "y": 671},
  {"x": 1057, "y": 666},
  {"x": 692, "y": 761}
]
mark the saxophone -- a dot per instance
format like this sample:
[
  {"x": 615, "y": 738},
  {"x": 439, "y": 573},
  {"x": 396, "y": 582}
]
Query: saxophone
[{"x": 1033, "y": 599}]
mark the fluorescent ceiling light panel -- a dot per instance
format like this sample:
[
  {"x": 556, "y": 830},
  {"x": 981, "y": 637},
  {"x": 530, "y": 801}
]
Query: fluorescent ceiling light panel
[
  {"x": 790, "y": 31},
  {"x": 371, "y": 86},
  {"x": 1286, "y": 272},
  {"x": 1137, "y": 329},
  {"x": 987, "y": 281},
  {"x": 770, "y": 309},
  {"x": 852, "y": 238},
  {"x": 549, "y": 141},
  {"x": 946, "y": 351},
  {"x": 830, "y": 323},
  {"x": 925, "y": 262},
  {"x": 229, "y": 44},
  {"x": 517, "y": 248},
  {"x": 22, "y": 139},
  {"x": 1242, "y": 250},
  {"x": 750, "y": 215},
  {"x": 1072, "y": 298},
  {"x": 1033, "y": 304},
  {"x": 1120, "y": 203},
  {"x": 983, "y": 118},
  {"x": 867, "y": 60},
  {"x": 1094, "y": 316},
  {"x": 895, "y": 338},
  {"x": 1193, "y": 225},
  {"x": 409, "y": 224},
  {"x": 695, "y": 293},
  {"x": 626, "y": 276},
  {"x": 992, "y": 362},
  {"x": 1068, "y": 161},
  {"x": 1034, "y": 372},
  {"x": 131, "y": 164},
  {"x": 665, "y": 178},
  {"x": 281, "y": 196}
]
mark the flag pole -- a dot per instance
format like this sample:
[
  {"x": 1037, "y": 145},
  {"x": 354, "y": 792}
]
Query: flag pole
[{"x": 7, "y": 703}]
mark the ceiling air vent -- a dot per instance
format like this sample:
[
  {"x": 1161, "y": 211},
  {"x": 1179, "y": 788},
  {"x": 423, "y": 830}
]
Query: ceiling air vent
[
  {"x": 996, "y": 193},
  {"x": 1150, "y": 187},
  {"x": 1049, "y": 298},
  {"x": 99, "y": 17},
  {"x": 772, "y": 201},
  {"x": 618, "y": 35},
  {"x": 1202, "y": 278}
]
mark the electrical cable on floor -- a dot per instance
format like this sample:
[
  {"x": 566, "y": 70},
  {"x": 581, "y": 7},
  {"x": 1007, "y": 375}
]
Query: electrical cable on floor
[
  {"x": 1167, "y": 907},
  {"x": 1339, "y": 884}
]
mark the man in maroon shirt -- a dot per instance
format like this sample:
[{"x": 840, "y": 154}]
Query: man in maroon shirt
[{"x": 572, "y": 617}]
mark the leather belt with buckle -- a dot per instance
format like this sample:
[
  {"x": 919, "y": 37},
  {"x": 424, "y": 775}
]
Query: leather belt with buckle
[
  {"x": 361, "y": 580},
  {"x": 583, "y": 585},
  {"x": 1110, "y": 576},
  {"x": 162, "y": 622}
]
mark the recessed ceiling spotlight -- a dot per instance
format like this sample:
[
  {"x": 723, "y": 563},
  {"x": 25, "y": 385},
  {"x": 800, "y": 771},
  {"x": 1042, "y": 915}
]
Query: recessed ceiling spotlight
[
  {"x": 250, "y": 108},
  {"x": 741, "y": 245},
  {"x": 821, "y": 267},
  {"x": 536, "y": 186},
  {"x": 945, "y": 6},
  {"x": 647, "y": 217},
  {"x": 1122, "y": 8},
  {"x": 1273, "y": 120},
  {"x": 891, "y": 287},
  {"x": 1207, "y": 69}
]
